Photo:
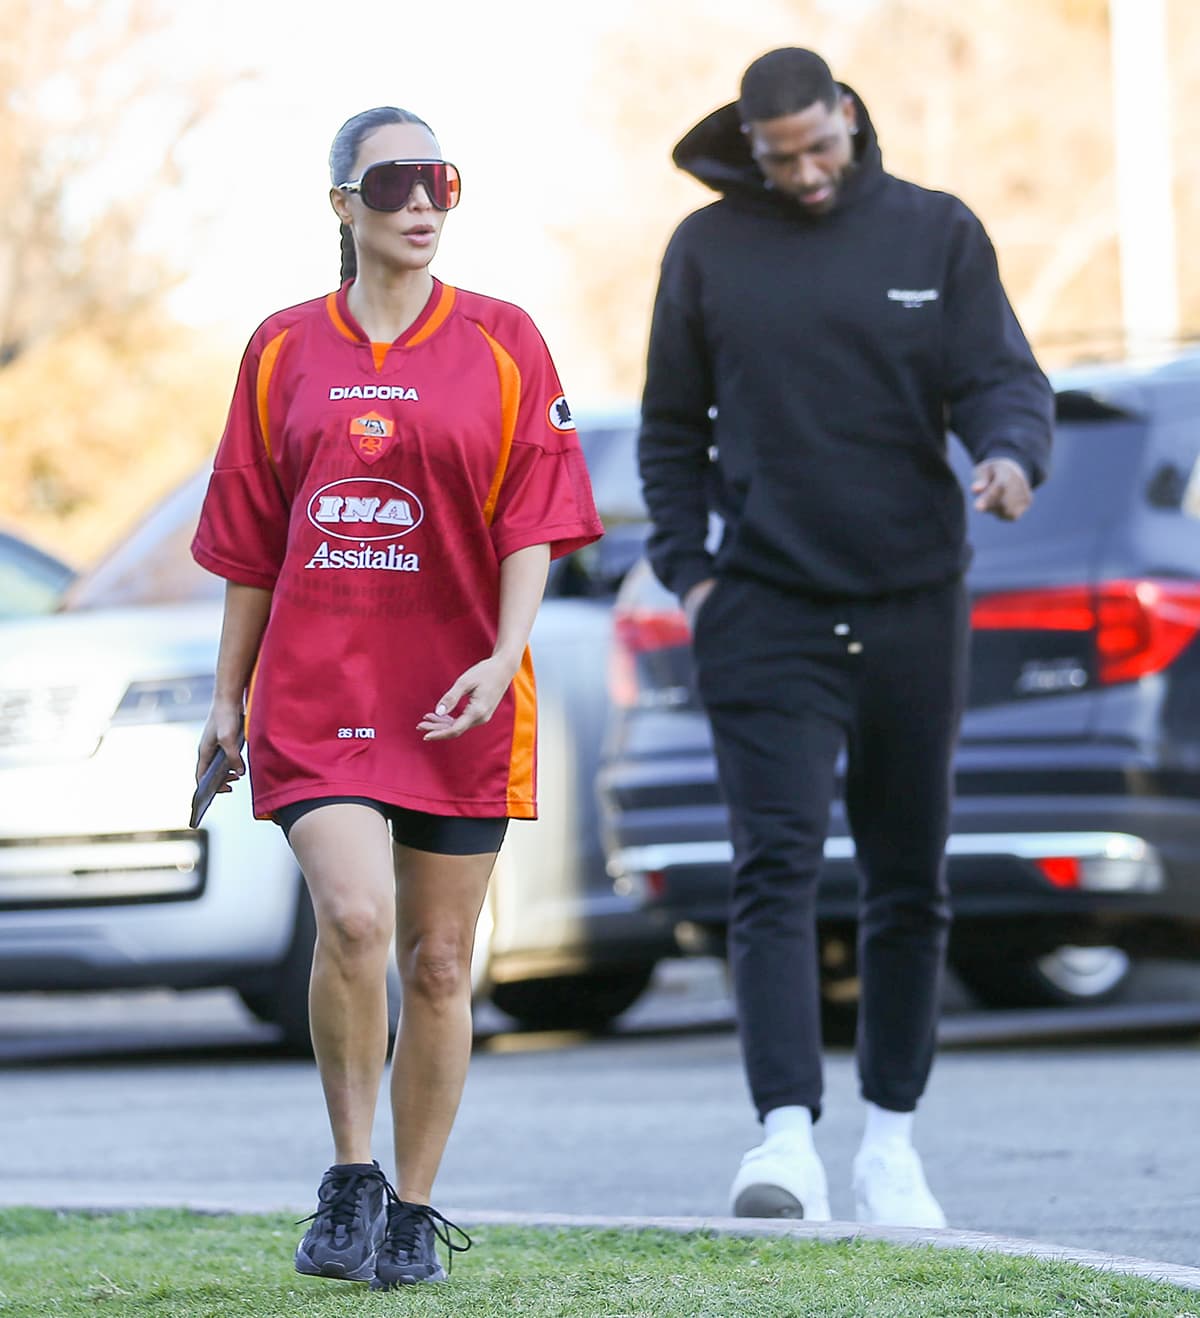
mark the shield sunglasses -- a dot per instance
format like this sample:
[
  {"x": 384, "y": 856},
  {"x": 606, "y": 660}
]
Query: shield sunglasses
[{"x": 387, "y": 185}]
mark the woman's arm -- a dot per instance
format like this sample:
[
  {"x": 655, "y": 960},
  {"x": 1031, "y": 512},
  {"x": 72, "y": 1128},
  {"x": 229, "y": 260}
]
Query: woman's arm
[
  {"x": 246, "y": 611},
  {"x": 522, "y": 583}
]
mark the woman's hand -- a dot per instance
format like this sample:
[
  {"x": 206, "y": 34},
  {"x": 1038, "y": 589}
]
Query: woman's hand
[
  {"x": 482, "y": 686},
  {"x": 223, "y": 728}
]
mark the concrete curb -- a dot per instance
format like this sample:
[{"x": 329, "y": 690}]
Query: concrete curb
[
  {"x": 980, "y": 1242},
  {"x": 1177, "y": 1274}
]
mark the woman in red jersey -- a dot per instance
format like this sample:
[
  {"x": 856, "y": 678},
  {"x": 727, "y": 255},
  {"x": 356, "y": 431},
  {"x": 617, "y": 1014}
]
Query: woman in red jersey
[{"x": 398, "y": 468}]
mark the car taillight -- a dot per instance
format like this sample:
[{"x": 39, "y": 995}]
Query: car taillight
[
  {"x": 1062, "y": 871},
  {"x": 639, "y": 631},
  {"x": 1120, "y": 864},
  {"x": 652, "y": 629},
  {"x": 1138, "y": 627}
]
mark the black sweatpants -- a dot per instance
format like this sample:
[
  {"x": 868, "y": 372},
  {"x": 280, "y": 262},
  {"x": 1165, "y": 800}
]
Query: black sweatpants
[{"x": 787, "y": 682}]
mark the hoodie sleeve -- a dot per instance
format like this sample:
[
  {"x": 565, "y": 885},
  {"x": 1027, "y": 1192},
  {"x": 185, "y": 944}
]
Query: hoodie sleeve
[
  {"x": 676, "y": 430},
  {"x": 1000, "y": 403}
]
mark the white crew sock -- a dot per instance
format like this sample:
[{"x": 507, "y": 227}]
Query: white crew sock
[
  {"x": 885, "y": 1127},
  {"x": 792, "y": 1123}
]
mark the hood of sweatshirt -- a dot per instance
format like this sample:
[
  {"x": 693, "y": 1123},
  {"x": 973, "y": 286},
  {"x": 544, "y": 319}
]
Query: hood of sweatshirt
[{"x": 717, "y": 153}]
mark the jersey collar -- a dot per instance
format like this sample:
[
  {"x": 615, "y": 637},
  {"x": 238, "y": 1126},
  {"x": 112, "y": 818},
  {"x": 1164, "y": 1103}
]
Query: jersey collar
[{"x": 433, "y": 316}]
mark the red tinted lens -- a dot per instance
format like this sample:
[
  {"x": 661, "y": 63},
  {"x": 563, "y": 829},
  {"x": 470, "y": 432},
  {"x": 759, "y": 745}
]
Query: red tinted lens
[
  {"x": 453, "y": 186},
  {"x": 388, "y": 185}
]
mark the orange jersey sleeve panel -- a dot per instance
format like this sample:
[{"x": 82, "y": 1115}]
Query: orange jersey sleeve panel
[
  {"x": 542, "y": 494},
  {"x": 509, "y": 374},
  {"x": 242, "y": 533},
  {"x": 522, "y": 771}
]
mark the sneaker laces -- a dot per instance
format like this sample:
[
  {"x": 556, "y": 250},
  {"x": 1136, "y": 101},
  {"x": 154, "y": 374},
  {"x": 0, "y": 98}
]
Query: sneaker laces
[
  {"x": 337, "y": 1197},
  {"x": 402, "y": 1229}
]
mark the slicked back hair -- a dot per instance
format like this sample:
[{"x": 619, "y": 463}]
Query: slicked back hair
[
  {"x": 786, "y": 81},
  {"x": 344, "y": 152}
]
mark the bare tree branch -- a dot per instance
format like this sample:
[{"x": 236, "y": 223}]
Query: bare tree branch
[{"x": 76, "y": 85}]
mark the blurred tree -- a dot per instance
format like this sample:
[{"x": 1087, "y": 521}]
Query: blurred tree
[
  {"x": 1005, "y": 102},
  {"x": 1011, "y": 110},
  {"x": 650, "y": 80},
  {"x": 101, "y": 404}
]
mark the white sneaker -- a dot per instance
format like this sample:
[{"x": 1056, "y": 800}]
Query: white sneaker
[
  {"x": 782, "y": 1177},
  {"x": 890, "y": 1187}
]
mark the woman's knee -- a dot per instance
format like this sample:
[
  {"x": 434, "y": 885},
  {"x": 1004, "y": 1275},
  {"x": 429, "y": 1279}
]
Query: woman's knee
[
  {"x": 354, "y": 928},
  {"x": 436, "y": 967}
]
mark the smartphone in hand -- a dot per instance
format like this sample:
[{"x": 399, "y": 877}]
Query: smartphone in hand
[{"x": 210, "y": 782}]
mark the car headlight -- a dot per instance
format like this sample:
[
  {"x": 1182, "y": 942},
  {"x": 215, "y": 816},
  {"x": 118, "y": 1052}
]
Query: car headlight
[{"x": 166, "y": 700}]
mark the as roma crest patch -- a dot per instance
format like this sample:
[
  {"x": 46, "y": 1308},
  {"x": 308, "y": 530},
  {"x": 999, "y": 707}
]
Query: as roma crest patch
[
  {"x": 559, "y": 414},
  {"x": 371, "y": 436}
]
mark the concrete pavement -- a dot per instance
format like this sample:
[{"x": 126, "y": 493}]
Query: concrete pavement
[{"x": 1088, "y": 1145}]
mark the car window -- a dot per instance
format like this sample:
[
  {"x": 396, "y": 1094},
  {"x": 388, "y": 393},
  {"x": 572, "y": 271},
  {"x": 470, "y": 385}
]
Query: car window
[
  {"x": 30, "y": 581},
  {"x": 1092, "y": 464},
  {"x": 611, "y": 455},
  {"x": 1172, "y": 481},
  {"x": 154, "y": 564},
  {"x": 610, "y": 451}
]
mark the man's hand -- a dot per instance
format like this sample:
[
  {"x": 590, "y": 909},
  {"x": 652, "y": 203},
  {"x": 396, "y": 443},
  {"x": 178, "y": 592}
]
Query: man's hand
[
  {"x": 695, "y": 598},
  {"x": 1001, "y": 487}
]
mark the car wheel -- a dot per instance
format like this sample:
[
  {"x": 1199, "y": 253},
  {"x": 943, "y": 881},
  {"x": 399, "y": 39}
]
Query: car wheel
[
  {"x": 572, "y": 1002},
  {"x": 839, "y": 986},
  {"x": 283, "y": 1000},
  {"x": 1067, "y": 977},
  {"x": 839, "y": 1023}
]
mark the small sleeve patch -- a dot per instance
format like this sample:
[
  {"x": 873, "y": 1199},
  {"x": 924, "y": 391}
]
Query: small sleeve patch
[{"x": 558, "y": 414}]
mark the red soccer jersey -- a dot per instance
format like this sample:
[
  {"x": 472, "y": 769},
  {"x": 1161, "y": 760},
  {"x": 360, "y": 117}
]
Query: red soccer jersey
[{"x": 375, "y": 488}]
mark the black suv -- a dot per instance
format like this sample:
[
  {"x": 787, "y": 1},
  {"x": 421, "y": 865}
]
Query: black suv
[{"x": 1076, "y": 832}]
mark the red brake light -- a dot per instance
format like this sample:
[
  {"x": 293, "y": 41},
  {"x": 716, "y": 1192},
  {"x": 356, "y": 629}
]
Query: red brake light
[
  {"x": 652, "y": 629},
  {"x": 1061, "y": 609},
  {"x": 1062, "y": 871},
  {"x": 1145, "y": 626},
  {"x": 637, "y": 631},
  {"x": 1140, "y": 627}
]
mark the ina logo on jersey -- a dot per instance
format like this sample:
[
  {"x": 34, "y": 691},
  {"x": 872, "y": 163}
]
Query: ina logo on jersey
[{"x": 373, "y": 514}]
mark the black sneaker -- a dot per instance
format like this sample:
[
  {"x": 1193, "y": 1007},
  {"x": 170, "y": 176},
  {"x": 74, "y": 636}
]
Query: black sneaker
[
  {"x": 347, "y": 1227},
  {"x": 408, "y": 1252}
]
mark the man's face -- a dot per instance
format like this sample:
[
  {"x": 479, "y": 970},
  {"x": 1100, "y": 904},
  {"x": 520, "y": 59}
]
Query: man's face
[{"x": 806, "y": 155}]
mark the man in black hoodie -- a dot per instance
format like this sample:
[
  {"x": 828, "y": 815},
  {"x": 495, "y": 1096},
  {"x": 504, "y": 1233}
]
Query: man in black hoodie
[{"x": 815, "y": 333}]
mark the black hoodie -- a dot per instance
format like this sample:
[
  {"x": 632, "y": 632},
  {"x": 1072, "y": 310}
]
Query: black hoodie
[{"x": 822, "y": 357}]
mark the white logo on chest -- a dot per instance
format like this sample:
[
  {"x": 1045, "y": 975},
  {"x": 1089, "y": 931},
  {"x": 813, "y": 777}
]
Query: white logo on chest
[
  {"x": 403, "y": 393},
  {"x": 370, "y": 509},
  {"x": 913, "y": 297}
]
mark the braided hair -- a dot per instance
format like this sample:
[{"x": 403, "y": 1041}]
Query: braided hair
[
  {"x": 344, "y": 152},
  {"x": 785, "y": 81}
]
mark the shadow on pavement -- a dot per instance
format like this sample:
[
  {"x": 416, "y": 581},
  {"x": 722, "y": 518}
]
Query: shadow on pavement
[{"x": 161, "y": 1029}]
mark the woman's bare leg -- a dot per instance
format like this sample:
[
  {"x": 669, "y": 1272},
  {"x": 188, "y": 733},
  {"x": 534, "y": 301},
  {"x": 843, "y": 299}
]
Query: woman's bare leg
[
  {"x": 438, "y": 900},
  {"x": 346, "y": 855}
]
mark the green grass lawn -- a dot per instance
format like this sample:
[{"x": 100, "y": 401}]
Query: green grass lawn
[{"x": 151, "y": 1264}]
